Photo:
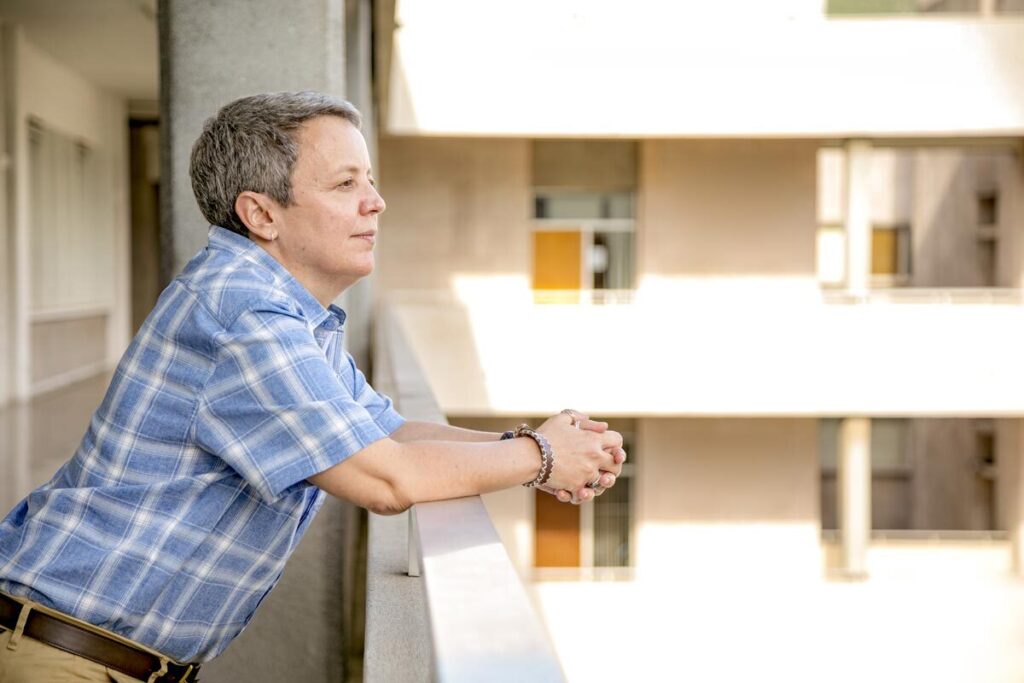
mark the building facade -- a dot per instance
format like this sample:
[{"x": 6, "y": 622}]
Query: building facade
[{"x": 778, "y": 246}]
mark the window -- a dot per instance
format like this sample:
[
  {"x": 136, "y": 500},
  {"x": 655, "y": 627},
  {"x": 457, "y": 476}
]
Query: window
[
  {"x": 890, "y": 473},
  {"x": 927, "y": 474},
  {"x": 71, "y": 248},
  {"x": 594, "y": 537},
  {"x": 890, "y": 254},
  {"x": 988, "y": 209},
  {"x": 613, "y": 520},
  {"x": 934, "y": 213},
  {"x": 583, "y": 240},
  {"x": 583, "y": 219}
]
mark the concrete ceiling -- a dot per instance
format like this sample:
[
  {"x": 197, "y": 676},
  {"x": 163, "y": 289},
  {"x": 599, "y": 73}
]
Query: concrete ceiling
[{"x": 112, "y": 43}]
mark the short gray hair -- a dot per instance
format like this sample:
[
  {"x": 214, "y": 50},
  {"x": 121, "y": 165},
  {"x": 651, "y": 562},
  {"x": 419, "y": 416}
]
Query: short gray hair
[{"x": 250, "y": 145}]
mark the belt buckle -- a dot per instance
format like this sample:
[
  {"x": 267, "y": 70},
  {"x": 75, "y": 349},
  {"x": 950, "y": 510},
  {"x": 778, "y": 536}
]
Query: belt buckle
[{"x": 182, "y": 678}]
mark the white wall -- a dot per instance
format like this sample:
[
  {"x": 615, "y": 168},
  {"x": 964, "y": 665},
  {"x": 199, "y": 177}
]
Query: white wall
[
  {"x": 728, "y": 497},
  {"x": 455, "y": 207},
  {"x": 705, "y": 204},
  {"x": 712, "y": 496},
  {"x": 947, "y": 251},
  {"x": 93, "y": 268},
  {"x": 673, "y": 69}
]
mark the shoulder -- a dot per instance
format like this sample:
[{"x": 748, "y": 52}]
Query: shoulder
[{"x": 230, "y": 285}]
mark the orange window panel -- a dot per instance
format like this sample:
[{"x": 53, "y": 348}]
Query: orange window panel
[
  {"x": 884, "y": 252},
  {"x": 556, "y": 259},
  {"x": 556, "y": 533}
]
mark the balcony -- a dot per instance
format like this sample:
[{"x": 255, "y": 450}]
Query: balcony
[
  {"x": 442, "y": 595},
  {"x": 729, "y": 347},
  {"x": 672, "y": 614}
]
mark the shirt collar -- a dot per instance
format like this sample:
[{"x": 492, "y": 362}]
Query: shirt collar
[{"x": 331, "y": 317}]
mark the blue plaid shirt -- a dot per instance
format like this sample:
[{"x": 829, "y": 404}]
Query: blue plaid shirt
[{"x": 188, "y": 493}]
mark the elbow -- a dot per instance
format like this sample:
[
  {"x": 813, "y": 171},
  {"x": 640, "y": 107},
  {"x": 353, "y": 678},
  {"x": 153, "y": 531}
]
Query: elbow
[{"x": 391, "y": 501}]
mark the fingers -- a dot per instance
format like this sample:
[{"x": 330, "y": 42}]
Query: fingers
[
  {"x": 593, "y": 425},
  {"x": 582, "y": 495},
  {"x": 562, "y": 495},
  {"x": 581, "y": 421},
  {"x": 611, "y": 440},
  {"x": 607, "y": 480},
  {"x": 585, "y": 449},
  {"x": 618, "y": 458}
]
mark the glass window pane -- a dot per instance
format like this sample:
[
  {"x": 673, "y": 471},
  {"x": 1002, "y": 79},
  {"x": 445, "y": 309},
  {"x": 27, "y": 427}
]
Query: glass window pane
[
  {"x": 583, "y": 205},
  {"x": 620, "y": 205},
  {"x": 570, "y": 205},
  {"x": 888, "y": 443},
  {"x": 612, "y": 261},
  {"x": 612, "y": 521}
]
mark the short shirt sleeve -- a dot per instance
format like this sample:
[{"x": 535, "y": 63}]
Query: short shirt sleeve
[
  {"x": 276, "y": 411},
  {"x": 377, "y": 405}
]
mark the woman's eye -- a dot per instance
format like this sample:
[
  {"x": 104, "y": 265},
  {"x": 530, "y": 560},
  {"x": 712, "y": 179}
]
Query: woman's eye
[{"x": 347, "y": 183}]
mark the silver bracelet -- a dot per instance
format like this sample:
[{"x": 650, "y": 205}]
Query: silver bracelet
[{"x": 547, "y": 455}]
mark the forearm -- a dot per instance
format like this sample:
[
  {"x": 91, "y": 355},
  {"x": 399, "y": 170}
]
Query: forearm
[
  {"x": 415, "y": 430},
  {"x": 389, "y": 476},
  {"x": 436, "y": 470}
]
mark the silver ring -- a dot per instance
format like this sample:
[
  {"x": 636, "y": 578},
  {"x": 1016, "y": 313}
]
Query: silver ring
[
  {"x": 596, "y": 484},
  {"x": 575, "y": 417}
]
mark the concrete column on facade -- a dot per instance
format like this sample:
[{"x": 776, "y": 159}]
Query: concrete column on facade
[
  {"x": 212, "y": 53},
  {"x": 1010, "y": 486},
  {"x": 854, "y": 494},
  {"x": 857, "y": 218}
]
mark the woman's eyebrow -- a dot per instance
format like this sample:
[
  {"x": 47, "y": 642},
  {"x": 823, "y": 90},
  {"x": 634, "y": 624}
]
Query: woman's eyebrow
[{"x": 351, "y": 168}]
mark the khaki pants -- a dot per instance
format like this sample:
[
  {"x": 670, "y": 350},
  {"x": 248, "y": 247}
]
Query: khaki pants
[
  {"x": 25, "y": 660},
  {"x": 35, "y": 662}
]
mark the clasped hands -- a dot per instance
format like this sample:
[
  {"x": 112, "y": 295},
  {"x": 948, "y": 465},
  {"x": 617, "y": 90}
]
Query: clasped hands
[{"x": 588, "y": 457}]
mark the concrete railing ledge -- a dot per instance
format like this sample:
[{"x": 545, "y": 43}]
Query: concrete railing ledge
[{"x": 443, "y": 600}]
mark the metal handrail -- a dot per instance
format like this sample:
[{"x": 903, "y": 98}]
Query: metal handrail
[{"x": 481, "y": 623}]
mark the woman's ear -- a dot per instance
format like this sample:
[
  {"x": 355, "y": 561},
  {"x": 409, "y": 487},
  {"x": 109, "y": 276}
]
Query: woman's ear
[{"x": 257, "y": 211}]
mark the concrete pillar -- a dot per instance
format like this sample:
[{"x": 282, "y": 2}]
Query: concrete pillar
[
  {"x": 215, "y": 52},
  {"x": 358, "y": 299},
  {"x": 6, "y": 274},
  {"x": 18, "y": 315},
  {"x": 857, "y": 220},
  {"x": 855, "y": 494},
  {"x": 212, "y": 53}
]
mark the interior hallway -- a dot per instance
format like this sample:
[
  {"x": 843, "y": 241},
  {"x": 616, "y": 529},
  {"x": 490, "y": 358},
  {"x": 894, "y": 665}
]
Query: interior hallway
[{"x": 39, "y": 436}]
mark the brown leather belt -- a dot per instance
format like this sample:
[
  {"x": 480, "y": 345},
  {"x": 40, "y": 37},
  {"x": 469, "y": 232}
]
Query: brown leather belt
[{"x": 65, "y": 635}]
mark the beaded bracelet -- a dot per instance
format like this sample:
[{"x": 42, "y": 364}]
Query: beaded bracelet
[{"x": 547, "y": 456}]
